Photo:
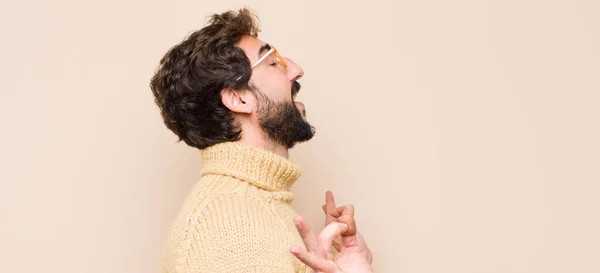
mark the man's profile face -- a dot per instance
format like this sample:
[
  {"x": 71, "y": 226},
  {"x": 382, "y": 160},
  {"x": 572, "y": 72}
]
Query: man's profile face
[{"x": 282, "y": 119}]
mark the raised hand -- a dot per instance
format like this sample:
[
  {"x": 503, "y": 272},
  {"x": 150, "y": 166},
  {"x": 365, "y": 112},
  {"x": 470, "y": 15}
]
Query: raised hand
[{"x": 354, "y": 256}]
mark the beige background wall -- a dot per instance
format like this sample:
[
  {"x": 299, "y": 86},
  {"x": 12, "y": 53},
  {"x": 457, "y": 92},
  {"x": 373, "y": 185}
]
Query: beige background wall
[{"x": 465, "y": 132}]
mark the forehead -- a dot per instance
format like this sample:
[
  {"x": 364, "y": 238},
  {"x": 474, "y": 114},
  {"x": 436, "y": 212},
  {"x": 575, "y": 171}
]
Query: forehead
[{"x": 251, "y": 45}]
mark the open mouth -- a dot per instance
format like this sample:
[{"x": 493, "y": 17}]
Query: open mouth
[
  {"x": 295, "y": 89},
  {"x": 299, "y": 105}
]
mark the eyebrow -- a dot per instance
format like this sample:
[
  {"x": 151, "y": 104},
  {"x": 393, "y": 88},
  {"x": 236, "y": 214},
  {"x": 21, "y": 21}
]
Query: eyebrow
[{"x": 263, "y": 49}]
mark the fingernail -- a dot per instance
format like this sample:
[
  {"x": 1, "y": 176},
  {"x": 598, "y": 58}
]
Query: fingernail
[
  {"x": 294, "y": 250},
  {"x": 347, "y": 226},
  {"x": 298, "y": 225}
]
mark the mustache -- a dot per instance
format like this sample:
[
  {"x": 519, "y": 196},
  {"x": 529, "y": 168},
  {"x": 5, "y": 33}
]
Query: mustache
[{"x": 295, "y": 88}]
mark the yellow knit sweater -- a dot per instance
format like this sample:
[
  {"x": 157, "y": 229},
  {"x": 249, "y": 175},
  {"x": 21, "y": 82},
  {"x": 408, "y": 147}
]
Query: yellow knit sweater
[{"x": 238, "y": 217}]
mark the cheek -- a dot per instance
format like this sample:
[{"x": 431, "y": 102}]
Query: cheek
[
  {"x": 277, "y": 90},
  {"x": 273, "y": 83},
  {"x": 285, "y": 90}
]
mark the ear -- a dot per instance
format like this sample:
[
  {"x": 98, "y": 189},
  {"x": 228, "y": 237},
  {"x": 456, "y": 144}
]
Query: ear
[{"x": 236, "y": 100}]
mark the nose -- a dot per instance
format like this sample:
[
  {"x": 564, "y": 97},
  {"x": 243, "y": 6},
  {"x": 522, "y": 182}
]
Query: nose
[{"x": 294, "y": 72}]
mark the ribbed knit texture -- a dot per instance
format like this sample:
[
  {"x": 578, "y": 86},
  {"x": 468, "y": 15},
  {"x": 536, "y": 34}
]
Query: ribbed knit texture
[{"x": 238, "y": 217}]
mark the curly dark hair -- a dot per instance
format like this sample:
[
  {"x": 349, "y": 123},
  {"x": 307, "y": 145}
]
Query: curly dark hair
[{"x": 188, "y": 82}]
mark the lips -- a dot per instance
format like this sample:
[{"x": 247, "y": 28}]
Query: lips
[{"x": 301, "y": 108}]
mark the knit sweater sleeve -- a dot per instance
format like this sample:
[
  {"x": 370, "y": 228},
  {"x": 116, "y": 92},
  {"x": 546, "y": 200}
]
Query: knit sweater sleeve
[{"x": 236, "y": 233}]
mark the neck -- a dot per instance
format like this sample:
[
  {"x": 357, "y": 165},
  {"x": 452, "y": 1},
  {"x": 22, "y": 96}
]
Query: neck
[
  {"x": 259, "y": 140},
  {"x": 276, "y": 149}
]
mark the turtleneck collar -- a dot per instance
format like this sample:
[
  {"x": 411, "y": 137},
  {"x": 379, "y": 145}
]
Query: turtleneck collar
[{"x": 259, "y": 167}]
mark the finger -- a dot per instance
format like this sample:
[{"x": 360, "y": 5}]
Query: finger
[
  {"x": 350, "y": 238},
  {"x": 348, "y": 218},
  {"x": 308, "y": 236},
  {"x": 330, "y": 218},
  {"x": 338, "y": 211},
  {"x": 330, "y": 203},
  {"x": 329, "y": 233},
  {"x": 331, "y": 212},
  {"x": 313, "y": 261}
]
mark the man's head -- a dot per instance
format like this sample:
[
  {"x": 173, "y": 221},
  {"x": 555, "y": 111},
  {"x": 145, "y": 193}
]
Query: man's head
[{"x": 222, "y": 83}]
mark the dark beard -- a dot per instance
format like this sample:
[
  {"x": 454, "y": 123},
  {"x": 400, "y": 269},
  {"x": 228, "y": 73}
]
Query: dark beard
[{"x": 283, "y": 122}]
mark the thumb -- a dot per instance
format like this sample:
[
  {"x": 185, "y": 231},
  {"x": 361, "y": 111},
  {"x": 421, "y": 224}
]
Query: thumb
[
  {"x": 348, "y": 218},
  {"x": 349, "y": 238}
]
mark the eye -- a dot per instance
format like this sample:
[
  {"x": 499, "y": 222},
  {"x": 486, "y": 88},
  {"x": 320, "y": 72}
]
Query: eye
[{"x": 274, "y": 61}]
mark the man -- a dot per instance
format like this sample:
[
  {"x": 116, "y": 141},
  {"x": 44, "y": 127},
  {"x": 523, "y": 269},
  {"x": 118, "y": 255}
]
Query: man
[{"x": 231, "y": 95}]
